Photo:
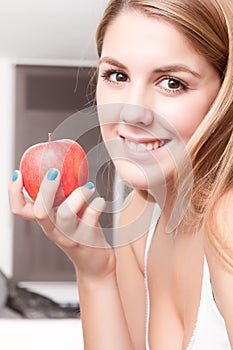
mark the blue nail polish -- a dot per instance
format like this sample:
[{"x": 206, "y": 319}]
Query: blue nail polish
[
  {"x": 15, "y": 176},
  {"x": 89, "y": 185},
  {"x": 52, "y": 174}
]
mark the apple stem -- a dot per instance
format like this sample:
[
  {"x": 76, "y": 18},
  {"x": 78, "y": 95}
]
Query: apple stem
[{"x": 49, "y": 137}]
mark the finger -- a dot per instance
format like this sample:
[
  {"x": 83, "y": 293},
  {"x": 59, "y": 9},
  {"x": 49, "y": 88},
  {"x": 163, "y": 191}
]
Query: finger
[
  {"x": 18, "y": 204},
  {"x": 93, "y": 211},
  {"x": 89, "y": 232},
  {"x": 72, "y": 208},
  {"x": 44, "y": 201}
]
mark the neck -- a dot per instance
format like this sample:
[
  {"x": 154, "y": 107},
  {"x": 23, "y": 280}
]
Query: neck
[{"x": 172, "y": 201}]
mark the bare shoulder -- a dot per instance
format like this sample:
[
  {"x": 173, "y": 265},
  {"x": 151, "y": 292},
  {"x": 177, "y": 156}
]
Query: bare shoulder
[
  {"x": 221, "y": 232},
  {"x": 219, "y": 252}
]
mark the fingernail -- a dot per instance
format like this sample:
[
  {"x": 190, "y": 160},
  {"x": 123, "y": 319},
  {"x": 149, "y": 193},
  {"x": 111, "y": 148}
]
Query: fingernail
[
  {"x": 89, "y": 185},
  {"x": 52, "y": 174},
  {"x": 15, "y": 176}
]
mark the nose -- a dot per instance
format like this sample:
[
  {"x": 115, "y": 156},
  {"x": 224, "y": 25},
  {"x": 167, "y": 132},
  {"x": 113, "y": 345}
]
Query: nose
[
  {"x": 136, "y": 114},
  {"x": 135, "y": 110}
]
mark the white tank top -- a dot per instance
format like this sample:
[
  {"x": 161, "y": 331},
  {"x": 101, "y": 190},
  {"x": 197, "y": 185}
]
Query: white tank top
[{"x": 210, "y": 331}]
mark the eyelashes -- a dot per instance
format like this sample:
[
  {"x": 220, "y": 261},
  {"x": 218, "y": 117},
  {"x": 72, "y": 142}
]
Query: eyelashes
[
  {"x": 174, "y": 85},
  {"x": 114, "y": 76},
  {"x": 168, "y": 84}
]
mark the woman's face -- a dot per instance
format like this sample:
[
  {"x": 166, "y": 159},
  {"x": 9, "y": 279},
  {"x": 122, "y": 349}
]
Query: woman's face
[{"x": 153, "y": 91}]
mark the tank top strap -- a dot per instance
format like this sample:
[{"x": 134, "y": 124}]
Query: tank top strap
[{"x": 154, "y": 220}]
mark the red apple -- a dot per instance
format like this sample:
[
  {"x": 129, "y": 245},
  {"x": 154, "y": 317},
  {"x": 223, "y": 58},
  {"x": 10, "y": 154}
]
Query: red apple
[{"x": 65, "y": 155}]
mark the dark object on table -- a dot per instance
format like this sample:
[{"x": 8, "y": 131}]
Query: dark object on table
[{"x": 28, "y": 304}]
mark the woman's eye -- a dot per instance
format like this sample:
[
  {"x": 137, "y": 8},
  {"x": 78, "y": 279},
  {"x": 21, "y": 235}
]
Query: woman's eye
[
  {"x": 115, "y": 77},
  {"x": 118, "y": 77},
  {"x": 172, "y": 85}
]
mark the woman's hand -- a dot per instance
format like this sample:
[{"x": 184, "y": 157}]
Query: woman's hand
[{"x": 73, "y": 226}]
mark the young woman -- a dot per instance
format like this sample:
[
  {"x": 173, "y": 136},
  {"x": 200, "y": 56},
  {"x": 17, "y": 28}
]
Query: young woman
[{"x": 165, "y": 80}]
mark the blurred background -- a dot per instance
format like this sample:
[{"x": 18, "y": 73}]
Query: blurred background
[
  {"x": 47, "y": 58},
  {"x": 56, "y": 30}
]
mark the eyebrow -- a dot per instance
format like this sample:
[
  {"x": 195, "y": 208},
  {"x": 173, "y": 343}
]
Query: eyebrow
[
  {"x": 165, "y": 69},
  {"x": 112, "y": 61}
]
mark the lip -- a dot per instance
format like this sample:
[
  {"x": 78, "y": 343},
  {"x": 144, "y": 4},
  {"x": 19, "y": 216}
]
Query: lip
[{"x": 139, "y": 140}]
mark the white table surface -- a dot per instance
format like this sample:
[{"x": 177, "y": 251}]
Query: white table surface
[{"x": 46, "y": 334}]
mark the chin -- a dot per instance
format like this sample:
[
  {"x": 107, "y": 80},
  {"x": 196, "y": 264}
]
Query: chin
[{"x": 138, "y": 177}]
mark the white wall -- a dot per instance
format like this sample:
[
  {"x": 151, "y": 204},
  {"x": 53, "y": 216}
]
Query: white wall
[{"x": 54, "y": 29}]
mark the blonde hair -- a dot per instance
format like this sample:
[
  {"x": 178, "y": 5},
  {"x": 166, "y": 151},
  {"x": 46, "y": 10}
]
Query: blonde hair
[{"x": 208, "y": 24}]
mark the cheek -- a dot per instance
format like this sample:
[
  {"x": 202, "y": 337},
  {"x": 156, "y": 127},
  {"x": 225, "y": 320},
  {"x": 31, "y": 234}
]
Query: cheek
[
  {"x": 98, "y": 93},
  {"x": 109, "y": 116},
  {"x": 188, "y": 124},
  {"x": 186, "y": 116},
  {"x": 108, "y": 95},
  {"x": 103, "y": 94},
  {"x": 105, "y": 132}
]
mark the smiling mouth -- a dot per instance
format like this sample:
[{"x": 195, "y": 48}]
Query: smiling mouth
[{"x": 142, "y": 147}]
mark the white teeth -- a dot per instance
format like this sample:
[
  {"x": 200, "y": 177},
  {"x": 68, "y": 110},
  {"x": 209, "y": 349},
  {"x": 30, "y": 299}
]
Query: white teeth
[
  {"x": 150, "y": 146},
  {"x": 132, "y": 146},
  {"x": 143, "y": 147}
]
